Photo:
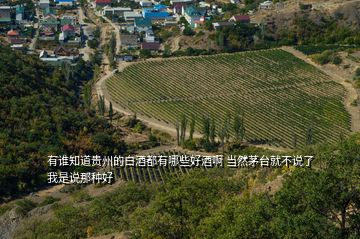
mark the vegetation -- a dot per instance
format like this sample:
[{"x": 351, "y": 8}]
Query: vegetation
[
  {"x": 318, "y": 202},
  {"x": 43, "y": 114},
  {"x": 277, "y": 94}
]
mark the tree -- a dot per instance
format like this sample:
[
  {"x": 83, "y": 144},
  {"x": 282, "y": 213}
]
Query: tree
[
  {"x": 183, "y": 128},
  {"x": 192, "y": 127},
  {"x": 239, "y": 127},
  {"x": 101, "y": 105},
  {"x": 188, "y": 31},
  {"x": 309, "y": 136},
  {"x": 111, "y": 112},
  {"x": 212, "y": 134},
  {"x": 206, "y": 129}
]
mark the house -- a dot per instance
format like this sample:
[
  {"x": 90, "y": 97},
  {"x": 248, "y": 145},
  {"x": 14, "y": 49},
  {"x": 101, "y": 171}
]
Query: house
[
  {"x": 68, "y": 20},
  {"x": 115, "y": 11},
  {"x": 152, "y": 46},
  {"x": 149, "y": 36},
  {"x": 157, "y": 12},
  {"x": 68, "y": 30},
  {"x": 49, "y": 21},
  {"x": 55, "y": 60},
  {"x": 142, "y": 24},
  {"x": 265, "y": 5},
  {"x": 5, "y": 14},
  {"x": 235, "y": 1},
  {"x": 62, "y": 51},
  {"x": 177, "y": 8},
  {"x": 128, "y": 41},
  {"x": 48, "y": 11},
  {"x": 126, "y": 58},
  {"x": 220, "y": 25},
  {"x": 131, "y": 16},
  {"x": 194, "y": 15},
  {"x": 14, "y": 37},
  {"x": 44, "y": 4},
  {"x": 63, "y": 3},
  {"x": 244, "y": 19},
  {"x": 145, "y": 3},
  {"x": 19, "y": 11},
  {"x": 102, "y": 3},
  {"x": 181, "y": 1}
]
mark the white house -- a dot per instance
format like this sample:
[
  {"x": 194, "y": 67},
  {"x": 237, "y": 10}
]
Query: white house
[
  {"x": 44, "y": 4},
  {"x": 149, "y": 36},
  {"x": 265, "y": 5}
]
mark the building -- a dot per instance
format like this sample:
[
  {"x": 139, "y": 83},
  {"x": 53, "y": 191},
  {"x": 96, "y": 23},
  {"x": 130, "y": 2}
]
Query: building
[
  {"x": 14, "y": 37},
  {"x": 55, "y": 60},
  {"x": 142, "y": 24},
  {"x": 5, "y": 14},
  {"x": 102, "y": 3},
  {"x": 194, "y": 15},
  {"x": 19, "y": 13},
  {"x": 131, "y": 16},
  {"x": 244, "y": 19},
  {"x": 149, "y": 36},
  {"x": 181, "y": 1},
  {"x": 126, "y": 58},
  {"x": 49, "y": 11},
  {"x": 145, "y": 3},
  {"x": 115, "y": 11},
  {"x": 68, "y": 30},
  {"x": 128, "y": 41},
  {"x": 62, "y": 51},
  {"x": 220, "y": 25},
  {"x": 68, "y": 3},
  {"x": 157, "y": 12},
  {"x": 265, "y": 5},
  {"x": 44, "y": 4},
  {"x": 152, "y": 46}
]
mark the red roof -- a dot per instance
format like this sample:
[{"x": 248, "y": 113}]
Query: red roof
[
  {"x": 241, "y": 18},
  {"x": 150, "y": 45},
  {"x": 12, "y": 33},
  {"x": 103, "y": 1},
  {"x": 68, "y": 27}
]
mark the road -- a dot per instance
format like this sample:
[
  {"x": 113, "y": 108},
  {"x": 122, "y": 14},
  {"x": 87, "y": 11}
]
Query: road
[{"x": 32, "y": 45}]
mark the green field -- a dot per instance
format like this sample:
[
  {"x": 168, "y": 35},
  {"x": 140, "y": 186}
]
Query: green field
[{"x": 281, "y": 96}]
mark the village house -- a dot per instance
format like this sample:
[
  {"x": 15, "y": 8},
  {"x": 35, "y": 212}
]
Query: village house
[
  {"x": 142, "y": 24},
  {"x": 220, "y": 25},
  {"x": 102, "y": 3},
  {"x": 157, "y": 12},
  {"x": 244, "y": 19},
  {"x": 14, "y": 37},
  {"x": 19, "y": 13},
  {"x": 145, "y": 3},
  {"x": 181, "y": 1},
  {"x": 194, "y": 15},
  {"x": 62, "y": 51},
  {"x": 5, "y": 14},
  {"x": 115, "y": 11},
  {"x": 65, "y": 3},
  {"x": 44, "y": 4},
  {"x": 152, "y": 46},
  {"x": 131, "y": 16},
  {"x": 266, "y": 5},
  {"x": 129, "y": 41},
  {"x": 149, "y": 36}
]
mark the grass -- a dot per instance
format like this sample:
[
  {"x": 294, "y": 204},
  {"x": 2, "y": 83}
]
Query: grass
[{"x": 280, "y": 95}]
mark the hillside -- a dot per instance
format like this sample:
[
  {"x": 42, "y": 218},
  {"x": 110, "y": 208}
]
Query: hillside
[
  {"x": 280, "y": 96},
  {"x": 41, "y": 114}
]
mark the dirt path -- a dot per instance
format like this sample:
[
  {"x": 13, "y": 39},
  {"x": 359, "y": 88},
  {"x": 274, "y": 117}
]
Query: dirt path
[{"x": 341, "y": 79}]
